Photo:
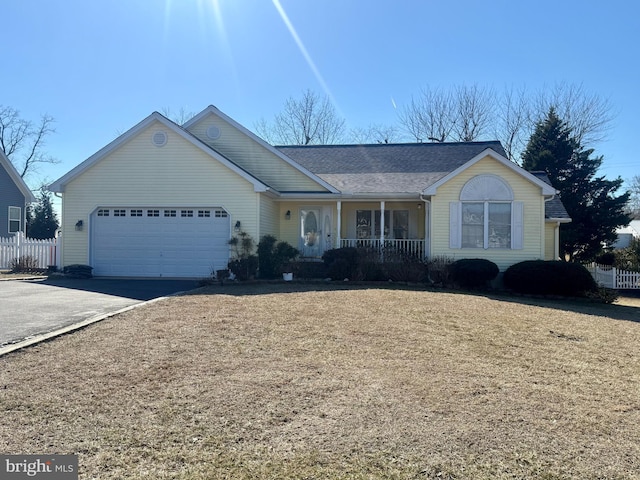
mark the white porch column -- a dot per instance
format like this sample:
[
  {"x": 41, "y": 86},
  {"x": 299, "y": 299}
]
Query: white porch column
[
  {"x": 339, "y": 225},
  {"x": 427, "y": 228},
  {"x": 382, "y": 223}
]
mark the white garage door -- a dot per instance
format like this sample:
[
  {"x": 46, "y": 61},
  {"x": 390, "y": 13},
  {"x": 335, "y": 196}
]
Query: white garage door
[{"x": 159, "y": 242}]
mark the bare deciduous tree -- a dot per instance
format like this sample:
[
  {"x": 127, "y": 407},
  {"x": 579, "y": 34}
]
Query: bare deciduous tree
[
  {"x": 634, "y": 202},
  {"x": 470, "y": 113},
  {"x": 310, "y": 120},
  {"x": 474, "y": 112},
  {"x": 22, "y": 141},
  {"x": 180, "y": 117},
  {"x": 375, "y": 133},
  {"x": 430, "y": 117},
  {"x": 513, "y": 121},
  {"x": 587, "y": 114},
  {"x": 462, "y": 114}
]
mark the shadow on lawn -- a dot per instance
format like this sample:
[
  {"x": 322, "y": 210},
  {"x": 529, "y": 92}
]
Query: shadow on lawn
[
  {"x": 137, "y": 289},
  {"x": 577, "y": 305}
]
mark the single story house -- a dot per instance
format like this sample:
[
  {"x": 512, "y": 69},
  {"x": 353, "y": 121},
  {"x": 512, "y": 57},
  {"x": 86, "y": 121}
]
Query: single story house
[
  {"x": 162, "y": 200},
  {"x": 627, "y": 234},
  {"x": 15, "y": 195}
]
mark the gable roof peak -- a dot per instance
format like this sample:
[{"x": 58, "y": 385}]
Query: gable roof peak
[{"x": 15, "y": 176}]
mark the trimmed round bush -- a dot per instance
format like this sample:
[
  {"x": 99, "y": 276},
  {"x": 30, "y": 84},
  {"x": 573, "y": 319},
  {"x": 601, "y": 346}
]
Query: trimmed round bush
[
  {"x": 473, "y": 272},
  {"x": 555, "y": 277}
]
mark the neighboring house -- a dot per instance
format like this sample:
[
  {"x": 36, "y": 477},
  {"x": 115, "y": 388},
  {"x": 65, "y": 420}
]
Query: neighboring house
[
  {"x": 14, "y": 197},
  {"x": 162, "y": 200},
  {"x": 626, "y": 234}
]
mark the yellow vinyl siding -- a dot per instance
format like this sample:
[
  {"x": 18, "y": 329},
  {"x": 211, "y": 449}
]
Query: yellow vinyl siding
[
  {"x": 254, "y": 158},
  {"x": 289, "y": 229},
  {"x": 138, "y": 174},
  {"x": 523, "y": 190},
  {"x": 269, "y": 218}
]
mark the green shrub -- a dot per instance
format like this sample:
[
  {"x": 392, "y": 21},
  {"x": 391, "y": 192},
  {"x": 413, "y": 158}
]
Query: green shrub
[
  {"x": 273, "y": 256},
  {"x": 245, "y": 264},
  {"x": 607, "y": 258},
  {"x": 604, "y": 295},
  {"x": 629, "y": 258},
  {"x": 473, "y": 272},
  {"x": 549, "y": 278}
]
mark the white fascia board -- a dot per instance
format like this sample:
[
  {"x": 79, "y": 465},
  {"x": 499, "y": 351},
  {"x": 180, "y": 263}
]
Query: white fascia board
[
  {"x": 558, "y": 220},
  {"x": 17, "y": 179},
  {"x": 489, "y": 152},
  {"x": 349, "y": 196},
  {"x": 59, "y": 185},
  {"x": 212, "y": 110}
]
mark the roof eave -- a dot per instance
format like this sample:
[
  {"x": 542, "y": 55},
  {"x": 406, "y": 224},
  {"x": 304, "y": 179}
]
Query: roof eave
[
  {"x": 17, "y": 179},
  {"x": 547, "y": 190},
  {"x": 60, "y": 184},
  {"x": 212, "y": 110}
]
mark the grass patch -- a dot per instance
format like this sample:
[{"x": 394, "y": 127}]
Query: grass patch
[{"x": 283, "y": 381}]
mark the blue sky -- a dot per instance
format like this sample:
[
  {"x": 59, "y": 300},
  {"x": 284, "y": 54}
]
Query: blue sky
[{"x": 101, "y": 67}]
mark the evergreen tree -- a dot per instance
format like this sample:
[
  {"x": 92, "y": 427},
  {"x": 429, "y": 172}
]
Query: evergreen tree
[
  {"x": 42, "y": 221},
  {"x": 589, "y": 199}
]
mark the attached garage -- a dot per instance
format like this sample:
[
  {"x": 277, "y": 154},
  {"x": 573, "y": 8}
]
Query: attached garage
[{"x": 159, "y": 242}]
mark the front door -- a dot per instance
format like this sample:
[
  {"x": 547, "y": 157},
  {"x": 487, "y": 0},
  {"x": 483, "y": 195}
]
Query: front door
[{"x": 315, "y": 231}]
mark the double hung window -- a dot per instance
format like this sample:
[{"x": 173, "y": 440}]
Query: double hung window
[
  {"x": 369, "y": 224},
  {"x": 486, "y": 215},
  {"x": 486, "y": 225},
  {"x": 15, "y": 219}
]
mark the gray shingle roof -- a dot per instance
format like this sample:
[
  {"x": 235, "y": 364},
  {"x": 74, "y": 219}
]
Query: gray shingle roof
[
  {"x": 554, "y": 207},
  {"x": 386, "y": 168},
  {"x": 397, "y": 168}
]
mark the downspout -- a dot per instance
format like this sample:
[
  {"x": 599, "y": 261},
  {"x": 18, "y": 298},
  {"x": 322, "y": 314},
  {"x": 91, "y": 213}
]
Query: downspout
[
  {"x": 427, "y": 226},
  {"x": 58, "y": 233},
  {"x": 556, "y": 234},
  {"x": 382, "y": 229},
  {"x": 339, "y": 225}
]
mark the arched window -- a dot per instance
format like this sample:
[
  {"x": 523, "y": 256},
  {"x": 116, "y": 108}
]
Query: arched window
[{"x": 486, "y": 215}]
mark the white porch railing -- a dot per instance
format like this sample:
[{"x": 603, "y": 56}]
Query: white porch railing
[
  {"x": 612, "y": 277},
  {"x": 44, "y": 251},
  {"x": 410, "y": 247}
]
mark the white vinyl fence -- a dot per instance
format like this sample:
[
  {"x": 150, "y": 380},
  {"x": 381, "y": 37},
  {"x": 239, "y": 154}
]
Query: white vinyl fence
[
  {"x": 46, "y": 252},
  {"x": 612, "y": 277}
]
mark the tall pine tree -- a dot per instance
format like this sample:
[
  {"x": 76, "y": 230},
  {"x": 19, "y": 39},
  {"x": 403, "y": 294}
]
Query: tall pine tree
[
  {"x": 589, "y": 199},
  {"x": 42, "y": 221}
]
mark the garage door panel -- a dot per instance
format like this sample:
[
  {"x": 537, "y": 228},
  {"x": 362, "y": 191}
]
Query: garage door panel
[{"x": 171, "y": 242}]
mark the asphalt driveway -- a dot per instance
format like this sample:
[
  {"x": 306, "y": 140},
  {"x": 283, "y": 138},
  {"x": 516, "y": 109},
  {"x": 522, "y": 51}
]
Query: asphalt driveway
[{"x": 30, "y": 308}]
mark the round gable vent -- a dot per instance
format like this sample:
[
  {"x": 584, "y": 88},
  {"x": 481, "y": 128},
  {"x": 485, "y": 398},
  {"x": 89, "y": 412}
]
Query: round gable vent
[
  {"x": 213, "y": 132},
  {"x": 159, "y": 138}
]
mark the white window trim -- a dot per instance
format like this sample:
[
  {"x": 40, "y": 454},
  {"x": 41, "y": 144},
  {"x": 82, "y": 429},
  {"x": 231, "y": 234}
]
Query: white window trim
[
  {"x": 455, "y": 226},
  {"x": 11, "y": 219},
  {"x": 388, "y": 226}
]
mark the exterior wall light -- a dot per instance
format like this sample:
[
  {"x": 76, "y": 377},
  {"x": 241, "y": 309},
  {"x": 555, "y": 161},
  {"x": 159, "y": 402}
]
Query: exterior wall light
[
  {"x": 287, "y": 215},
  {"x": 79, "y": 225},
  {"x": 237, "y": 227}
]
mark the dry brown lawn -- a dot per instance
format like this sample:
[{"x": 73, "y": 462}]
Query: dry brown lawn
[{"x": 352, "y": 382}]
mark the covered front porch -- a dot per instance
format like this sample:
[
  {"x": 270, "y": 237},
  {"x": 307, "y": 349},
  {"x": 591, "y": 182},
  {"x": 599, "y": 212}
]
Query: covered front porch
[{"x": 389, "y": 226}]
